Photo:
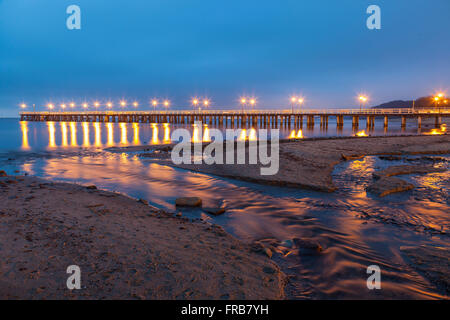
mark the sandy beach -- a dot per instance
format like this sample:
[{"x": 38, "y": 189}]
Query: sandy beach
[{"x": 125, "y": 248}]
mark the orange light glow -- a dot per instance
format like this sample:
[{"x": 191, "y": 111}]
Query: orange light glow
[
  {"x": 24, "y": 127},
  {"x": 294, "y": 135},
  {"x": 86, "y": 142},
  {"x": 243, "y": 135},
  {"x": 109, "y": 127},
  {"x": 109, "y": 105},
  {"x": 135, "y": 104},
  {"x": 136, "y": 139},
  {"x": 361, "y": 133},
  {"x": 98, "y": 135},
  {"x": 23, "y": 105},
  {"x": 85, "y": 105},
  {"x": 438, "y": 131},
  {"x": 196, "y": 134},
  {"x": 166, "y": 138},
  {"x": 123, "y": 103},
  {"x": 64, "y": 134},
  {"x": 155, "y": 138},
  {"x": 123, "y": 133},
  {"x": 96, "y": 104},
  {"x": 206, "y": 135},
  {"x": 73, "y": 134},
  {"x": 252, "y": 135},
  {"x": 50, "y": 106},
  {"x": 51, "y": 134}
]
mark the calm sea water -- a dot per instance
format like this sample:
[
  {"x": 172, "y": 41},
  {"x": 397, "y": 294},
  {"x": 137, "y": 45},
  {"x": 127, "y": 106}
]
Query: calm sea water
[
  {"x": 355, "y": 229},
  {"x": 35, "y": 136}
]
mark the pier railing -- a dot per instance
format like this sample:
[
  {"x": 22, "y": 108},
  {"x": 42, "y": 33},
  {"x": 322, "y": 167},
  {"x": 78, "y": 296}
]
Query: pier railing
[{"x": 398, "y": 111}]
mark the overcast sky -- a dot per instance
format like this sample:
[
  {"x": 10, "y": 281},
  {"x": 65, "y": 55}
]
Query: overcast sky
[{"x": 222, "y": 49}]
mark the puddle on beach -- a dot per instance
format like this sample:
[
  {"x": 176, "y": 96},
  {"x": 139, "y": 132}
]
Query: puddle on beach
[{"x": 355, "y": 229}]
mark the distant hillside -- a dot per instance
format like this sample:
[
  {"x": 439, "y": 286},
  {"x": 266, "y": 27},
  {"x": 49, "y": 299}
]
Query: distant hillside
[{"x": 423, "y": 102}]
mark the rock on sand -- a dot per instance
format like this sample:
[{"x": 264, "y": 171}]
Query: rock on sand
[
  {"x": 188, "y": 202},
  {"x": 388, "y": 185}
]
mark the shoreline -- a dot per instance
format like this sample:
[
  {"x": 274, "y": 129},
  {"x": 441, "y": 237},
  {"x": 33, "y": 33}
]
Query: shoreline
[
  {"x": 125, "y": 248},
  {"x": 308, "y": 163}
]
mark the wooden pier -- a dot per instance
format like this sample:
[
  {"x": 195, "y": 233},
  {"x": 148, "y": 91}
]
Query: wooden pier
[{"x": 245, "y": 118}]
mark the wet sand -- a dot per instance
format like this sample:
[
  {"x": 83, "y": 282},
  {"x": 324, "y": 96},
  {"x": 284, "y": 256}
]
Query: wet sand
[
  {"x": 126, "y": 249},
  {"x": 309, "y": 163}
]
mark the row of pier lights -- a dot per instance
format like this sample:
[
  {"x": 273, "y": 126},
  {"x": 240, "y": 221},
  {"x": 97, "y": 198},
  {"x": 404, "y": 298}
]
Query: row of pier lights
[
  {"x": 246, "y": 117},
  {"x": 197, "y": 103}
]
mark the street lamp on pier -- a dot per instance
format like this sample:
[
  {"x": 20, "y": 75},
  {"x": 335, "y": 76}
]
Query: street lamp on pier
[
  {"x": 154, "y": 104},
  {"x": 206, "y": 103},
  {"x": 243, "y": 103},
  {"x": 252, "y": 103},
  {"x": 195, "y": 103},
  {"x": 362, "y": 102},
  {"x": 166, "y": 104},
  {"x": 300, "y": 102}
]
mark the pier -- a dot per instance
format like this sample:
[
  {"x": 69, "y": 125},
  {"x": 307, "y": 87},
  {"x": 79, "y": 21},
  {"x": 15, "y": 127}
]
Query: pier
[{"x": 244, "y": 118}]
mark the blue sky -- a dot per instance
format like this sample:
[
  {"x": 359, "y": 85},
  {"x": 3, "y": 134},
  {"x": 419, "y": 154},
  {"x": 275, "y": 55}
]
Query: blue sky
[{"x": 177, "y": 49}]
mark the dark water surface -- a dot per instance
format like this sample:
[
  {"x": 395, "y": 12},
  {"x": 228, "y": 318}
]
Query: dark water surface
[{"x": 355, "y": 229}]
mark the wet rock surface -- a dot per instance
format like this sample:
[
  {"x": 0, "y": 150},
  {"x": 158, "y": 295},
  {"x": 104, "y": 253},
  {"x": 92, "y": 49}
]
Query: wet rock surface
[
  {"x": 188, "y": 202},
  {"x": 215, "y": 211},
  {"x": 407, "y": 169},
  {"x": 388, "y": 185}
]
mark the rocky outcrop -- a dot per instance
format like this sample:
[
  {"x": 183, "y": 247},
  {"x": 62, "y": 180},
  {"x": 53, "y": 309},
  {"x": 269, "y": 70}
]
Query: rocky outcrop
[
  {"x": 406, "y": 169},
  {"x": 215, "y": 211},
  {"x": 388, "y": 185},
  {"x": 188, "y": 202},
  {"x": 352, "y": 157}
]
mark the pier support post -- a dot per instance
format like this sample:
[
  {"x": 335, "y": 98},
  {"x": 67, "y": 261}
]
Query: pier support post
[
  {"x": 403, "y": 121},
  {"x": 438, "y": 121}
]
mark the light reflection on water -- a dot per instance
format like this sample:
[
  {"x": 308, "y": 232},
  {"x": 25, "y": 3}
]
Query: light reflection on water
[
  {"x": 259, "y": 212},
  {"x": 51, "y": 135},
  {"x": 350, "y": 224}
]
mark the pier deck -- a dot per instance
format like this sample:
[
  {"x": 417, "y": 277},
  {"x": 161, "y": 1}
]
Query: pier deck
[{"x": 263, "y": 118}]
